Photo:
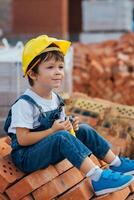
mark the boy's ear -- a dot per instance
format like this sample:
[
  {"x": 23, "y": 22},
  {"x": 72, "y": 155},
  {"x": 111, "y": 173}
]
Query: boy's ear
[{"x": 32, "y": 75}]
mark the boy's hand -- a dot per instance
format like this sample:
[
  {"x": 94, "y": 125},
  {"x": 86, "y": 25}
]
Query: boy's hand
[
  {"x": 75, "y": 123},
  {"x": 57, "y": 125},
  {"x": 61, "y": 125},
  {"x": 67, "y": 124}
]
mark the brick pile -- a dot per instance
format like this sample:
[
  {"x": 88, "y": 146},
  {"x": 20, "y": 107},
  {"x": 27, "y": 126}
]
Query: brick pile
[
  {"x": 113, "y": 121},
  {"x": 106, "y": 70},
  {"x": 63, "y": 181}
]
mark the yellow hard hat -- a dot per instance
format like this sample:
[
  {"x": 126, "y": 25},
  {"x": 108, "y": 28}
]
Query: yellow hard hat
[{"x": 36, "y": 46}]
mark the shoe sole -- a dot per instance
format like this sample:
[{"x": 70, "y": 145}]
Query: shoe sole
[
  {"x": 129, "y": 173},
  {"x": 110, "y": 190}
]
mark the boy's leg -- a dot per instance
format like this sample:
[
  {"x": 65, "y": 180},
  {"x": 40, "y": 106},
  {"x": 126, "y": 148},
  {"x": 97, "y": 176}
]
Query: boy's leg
[
  {"x": 101, "y": 149},
  {"x": 94, "y": 141},
  {"x": 62, "y": 145},
  {"x": 51, "y": 150}
]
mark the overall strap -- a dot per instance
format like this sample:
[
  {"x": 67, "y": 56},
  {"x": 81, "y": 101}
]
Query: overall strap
[
  {"x": 31, "y": 101},
  {"x": 8, "y": 119},
  {"x": 62, "y": 103}
]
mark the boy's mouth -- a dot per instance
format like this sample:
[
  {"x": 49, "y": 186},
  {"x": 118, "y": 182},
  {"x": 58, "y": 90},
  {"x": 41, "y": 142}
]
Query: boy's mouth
[{"x": 56, "y": 79}]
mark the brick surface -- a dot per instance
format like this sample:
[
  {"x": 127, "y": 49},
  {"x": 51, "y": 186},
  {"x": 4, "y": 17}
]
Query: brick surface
[
  {"x": 31, "y": 182},
  {"x": 63, "y": 166},
  {"x": 82, "y": 191},
  {"x": 8, "y": 173},
  {"x": 105, "y": 70},
  {"x": 43, "y": 8},
  {"x": 5, "y": 147},
  {"x": 130, "y": 197},
  {"x": 8, "y": 140},
  {"x": 113, "y": 121},
  {"x": 59, "y": 185},
  {"x": 131, "y": 187},
  {"x": 3, "y": 197},
  {"x": 92, "y": 121},
  {"x": 28, "y": 197},
  {"x": 120, "y": 195}
]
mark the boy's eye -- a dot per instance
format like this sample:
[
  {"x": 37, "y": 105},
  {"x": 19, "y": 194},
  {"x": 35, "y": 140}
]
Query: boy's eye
[
  {"x": 50, "y": 67},
  {"x": 61, "y": 67}
]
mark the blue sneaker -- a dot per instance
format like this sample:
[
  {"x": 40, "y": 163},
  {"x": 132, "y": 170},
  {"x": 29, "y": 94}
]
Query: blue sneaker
[
  {"x": 110, "y": 182},
  {"x": 126, "y": 166}
]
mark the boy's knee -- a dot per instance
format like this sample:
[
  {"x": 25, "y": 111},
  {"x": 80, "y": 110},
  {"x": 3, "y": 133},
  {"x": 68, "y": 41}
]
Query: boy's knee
[
  {"x": 85, "y": 129},
  {"x": 62, "y": 134},
  {"x": 84, "y": 126}
]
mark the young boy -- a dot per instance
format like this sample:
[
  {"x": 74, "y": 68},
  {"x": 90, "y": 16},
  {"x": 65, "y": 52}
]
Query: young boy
[{"x": 40, "y": 132}]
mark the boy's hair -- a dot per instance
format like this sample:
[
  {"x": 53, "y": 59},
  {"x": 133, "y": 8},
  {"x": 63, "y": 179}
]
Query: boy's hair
[{"x": 57, "y": 55}]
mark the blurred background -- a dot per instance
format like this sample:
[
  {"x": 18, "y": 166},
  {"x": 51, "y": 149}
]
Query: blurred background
[
  {"x": 100, "y": 63},
  {"x": 78, "y": 20}
]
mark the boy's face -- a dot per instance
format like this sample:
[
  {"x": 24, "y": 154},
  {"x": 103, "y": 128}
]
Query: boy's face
[{"x": 51, "y": 74}]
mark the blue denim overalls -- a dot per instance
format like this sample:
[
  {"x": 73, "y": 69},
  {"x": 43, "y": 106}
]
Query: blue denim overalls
[{"x": 57, "y": 146}]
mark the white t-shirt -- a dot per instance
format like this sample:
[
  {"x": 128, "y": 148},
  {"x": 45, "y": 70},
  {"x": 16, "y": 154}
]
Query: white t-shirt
[{"x": 26, "y": 115}]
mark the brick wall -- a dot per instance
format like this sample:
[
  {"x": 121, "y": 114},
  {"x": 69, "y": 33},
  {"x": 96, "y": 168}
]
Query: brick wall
[{"x": 33, "y": 17}]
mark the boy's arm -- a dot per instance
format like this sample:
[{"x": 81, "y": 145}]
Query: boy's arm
[{"x": 25, "y": 137}]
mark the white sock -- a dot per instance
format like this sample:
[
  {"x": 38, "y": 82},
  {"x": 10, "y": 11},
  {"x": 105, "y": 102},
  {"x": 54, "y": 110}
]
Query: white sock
[
  {"x": 116, "y": 162},
  {"x": 94, "y": 173}
]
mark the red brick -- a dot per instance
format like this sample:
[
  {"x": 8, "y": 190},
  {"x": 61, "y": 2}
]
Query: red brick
[
  {"x": 59, "y": 185},
  {"x": 6, "y": 139},
  {"x": 31, "y": 182},
  {"x": 108, "y": 70},
  {"x": 63, "y": 166},
  {"x": 83, "y": 119},
  {"x": 8, "y": 173},
  {"x": 82, "y": 191},
  {"x": 3, "y": 197},
  {"x": 130, "y": 197},
  {"x": 5, "y": 148},
  {"x": 28, "y": 197},
  {"x": 119, "y": 195},
  {"x": 30, "y": 23},
  {"x": 131, "y": 187},
  {"x": 89, "y": 120},
  {"x": 92, "y": 121}
]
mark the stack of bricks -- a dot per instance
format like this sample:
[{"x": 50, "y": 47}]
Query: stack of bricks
[
  {"x": 113, "y": 121},
  {"x": 106, "y": 70},
  {"x": 61, "y": 181}
]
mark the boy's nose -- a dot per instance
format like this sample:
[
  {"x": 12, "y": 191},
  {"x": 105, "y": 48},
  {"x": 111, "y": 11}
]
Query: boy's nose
[{"x": 58, "y": 71}]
